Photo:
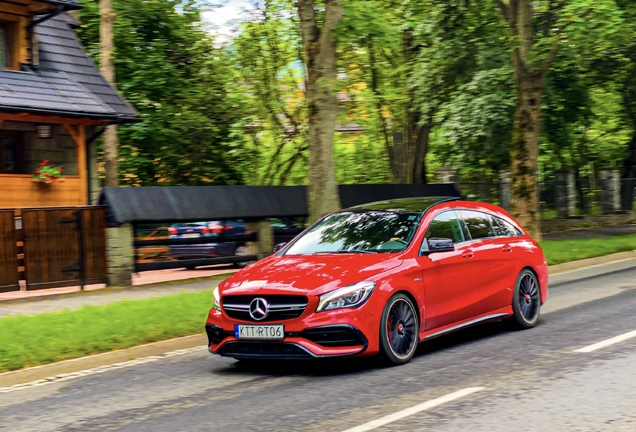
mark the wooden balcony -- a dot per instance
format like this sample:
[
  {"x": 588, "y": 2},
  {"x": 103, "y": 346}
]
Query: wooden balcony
[{"x": 18, "y": 191}]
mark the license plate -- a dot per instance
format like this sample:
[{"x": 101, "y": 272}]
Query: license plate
[
  {"x": 191, "y": 236},
  {"x": 259, "y": 332}
]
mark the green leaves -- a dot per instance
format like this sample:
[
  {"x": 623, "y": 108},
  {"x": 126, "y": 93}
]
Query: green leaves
[{"x": 168, "y": 68}]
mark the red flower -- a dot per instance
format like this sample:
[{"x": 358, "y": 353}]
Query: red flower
[
  {"x": 60, "y": 170},
  {"x": 37, "y": 172},
  {"x": 44, "y": 162}
]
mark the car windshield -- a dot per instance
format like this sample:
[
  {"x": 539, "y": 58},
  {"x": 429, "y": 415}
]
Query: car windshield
[{"x": 358, "y": 232}]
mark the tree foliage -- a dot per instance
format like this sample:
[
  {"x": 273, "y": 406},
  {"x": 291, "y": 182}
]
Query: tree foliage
[
  {"x": 530, "y": 86},
  {"x": 168, "y": 68}
]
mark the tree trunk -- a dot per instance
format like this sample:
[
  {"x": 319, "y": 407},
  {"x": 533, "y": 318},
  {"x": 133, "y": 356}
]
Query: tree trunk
[
  {"x": 524, "y": 152},
  {"x": 421, "y": 148},
  {"x": 524, "y": 149},
  {"x": 320, "y": 50},
  {"x": 106, "y": 67}
]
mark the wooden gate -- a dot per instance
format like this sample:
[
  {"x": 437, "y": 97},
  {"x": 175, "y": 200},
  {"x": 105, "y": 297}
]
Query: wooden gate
[
  {"x": 9, "y": 276},
  {"x": 64, "y": 246},
  {"x": 94, "y": 237}
]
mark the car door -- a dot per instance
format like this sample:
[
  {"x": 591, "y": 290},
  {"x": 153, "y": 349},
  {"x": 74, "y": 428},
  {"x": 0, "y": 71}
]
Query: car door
[
  {"x": 505, "y": 264},
  {"x": 493, "y": 255},
  {"x": 450, "y": 292}
]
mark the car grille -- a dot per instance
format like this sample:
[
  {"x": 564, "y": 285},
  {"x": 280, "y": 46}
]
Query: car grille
[
  {"x": 281, "y": 307},
  {"x": 335, "y": 336},
  {"x": 264, "y": 350}
]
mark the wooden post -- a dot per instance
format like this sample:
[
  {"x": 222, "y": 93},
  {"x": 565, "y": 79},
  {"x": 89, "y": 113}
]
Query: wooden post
[
  {"x": 265, "y": 244},
  {"x": 82, "y": 163},
  {"x": 79, "y": 136}
]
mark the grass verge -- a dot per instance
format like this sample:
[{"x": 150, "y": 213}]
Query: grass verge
[
  {"x": 27, "y": 341},
  {"x": 562, "y": 251}
]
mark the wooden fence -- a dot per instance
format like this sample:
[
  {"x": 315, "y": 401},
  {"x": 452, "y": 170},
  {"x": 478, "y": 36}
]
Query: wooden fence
[{"x": 52, "y": 247}]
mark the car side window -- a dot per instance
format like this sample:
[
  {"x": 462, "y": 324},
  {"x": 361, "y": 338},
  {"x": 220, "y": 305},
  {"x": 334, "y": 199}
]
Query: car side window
[
  {"x": 446, "y": 225},
  {"x": 478, "y": 224},
  {"x": 499, "y": 228},
  {"x": 503, "y": 228}
]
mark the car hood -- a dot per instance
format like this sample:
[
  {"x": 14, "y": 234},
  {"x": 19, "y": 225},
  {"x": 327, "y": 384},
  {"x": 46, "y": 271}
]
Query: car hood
[{"x": 308, "y": 274}]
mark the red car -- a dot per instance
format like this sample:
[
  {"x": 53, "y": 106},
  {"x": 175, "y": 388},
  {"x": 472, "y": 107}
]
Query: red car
[{"x": 381, "y": 278}]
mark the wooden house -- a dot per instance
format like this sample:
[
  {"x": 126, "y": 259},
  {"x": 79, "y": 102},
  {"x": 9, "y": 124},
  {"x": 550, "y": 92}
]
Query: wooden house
[{"x": 54, "y": 103}]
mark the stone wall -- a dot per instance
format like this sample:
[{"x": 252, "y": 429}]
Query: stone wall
[{"x": 120, "y": 258}]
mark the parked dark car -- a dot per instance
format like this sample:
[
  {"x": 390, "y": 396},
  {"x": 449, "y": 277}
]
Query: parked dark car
[{"x": 284, "y": 231}]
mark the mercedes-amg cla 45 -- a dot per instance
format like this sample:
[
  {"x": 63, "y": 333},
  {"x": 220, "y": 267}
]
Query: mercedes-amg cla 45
[{"x": 381, "y": 278}]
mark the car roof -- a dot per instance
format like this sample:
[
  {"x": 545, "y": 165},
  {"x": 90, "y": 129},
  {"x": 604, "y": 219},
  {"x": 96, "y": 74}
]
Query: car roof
[{"x": 411, "y": 205}]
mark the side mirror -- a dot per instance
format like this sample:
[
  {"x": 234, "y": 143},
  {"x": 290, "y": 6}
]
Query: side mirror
[
  {"x": 440, "y": 245},
  {"x": 279, "y": 246}
]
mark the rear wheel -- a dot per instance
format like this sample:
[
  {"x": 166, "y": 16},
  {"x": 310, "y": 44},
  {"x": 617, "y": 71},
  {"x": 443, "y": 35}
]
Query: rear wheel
[
  {"x": 526, "y": 302},
  {"x": 399, "y": 330}
]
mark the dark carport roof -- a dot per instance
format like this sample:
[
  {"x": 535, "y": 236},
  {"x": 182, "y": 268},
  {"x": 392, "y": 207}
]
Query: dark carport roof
[{"x": 201, "y": 203}]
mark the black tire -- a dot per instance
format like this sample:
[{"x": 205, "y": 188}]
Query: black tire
[
  {"x": 399, "y": 330},
  {"x": 526, "y": 302}
]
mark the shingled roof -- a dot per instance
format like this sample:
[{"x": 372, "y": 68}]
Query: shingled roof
[{"x": 67, "y": 82}]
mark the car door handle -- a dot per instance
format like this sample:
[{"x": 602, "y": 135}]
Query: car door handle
[
  {"x": 468, "y": 254},
  {"x": 507, "y": 249}
]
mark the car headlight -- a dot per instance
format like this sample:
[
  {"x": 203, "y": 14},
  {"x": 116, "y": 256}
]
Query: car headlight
[
  {"x": 216, "y": 299},
  {"x": 347, "y": 297}
]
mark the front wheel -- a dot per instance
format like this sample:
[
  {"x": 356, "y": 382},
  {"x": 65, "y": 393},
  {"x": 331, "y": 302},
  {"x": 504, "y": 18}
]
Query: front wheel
[
  {"x": 399, "y": 330},
  {"x": 526, "y": 302}
]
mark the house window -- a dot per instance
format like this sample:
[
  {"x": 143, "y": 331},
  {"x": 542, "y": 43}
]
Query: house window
[
  {"x": 12, "y": 153},
  {"x": 5, "y": 47}
]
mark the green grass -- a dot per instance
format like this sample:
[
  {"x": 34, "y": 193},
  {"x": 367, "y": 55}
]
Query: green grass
[
  {"x": 561, "y": 251},
  {"x": 50, "y": 337}
]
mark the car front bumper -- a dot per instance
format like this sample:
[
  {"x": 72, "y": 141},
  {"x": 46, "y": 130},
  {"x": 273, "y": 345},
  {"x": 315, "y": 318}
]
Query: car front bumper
[{"x": 346, "y": 332}]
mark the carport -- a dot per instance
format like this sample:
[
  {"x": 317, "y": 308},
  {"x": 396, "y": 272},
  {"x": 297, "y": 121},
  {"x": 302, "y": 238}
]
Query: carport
[{"x": 127, "y": 208}]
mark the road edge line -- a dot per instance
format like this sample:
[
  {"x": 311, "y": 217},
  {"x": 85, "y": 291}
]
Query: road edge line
[
  {"x": 23, "y": 376},
  {"x": 416, "y": 409}
]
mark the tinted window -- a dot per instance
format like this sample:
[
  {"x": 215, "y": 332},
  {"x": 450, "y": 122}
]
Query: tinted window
[
  {"x": 446, "y": 225},
  {"x": 478, "y": 224},
  {"x": 372, "y": 231},
  {"x": 501, "y": 228}
]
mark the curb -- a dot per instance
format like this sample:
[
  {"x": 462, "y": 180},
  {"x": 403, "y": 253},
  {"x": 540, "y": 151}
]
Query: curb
[
  {"x": 591, "y": 262},
  {"x": 615, "y": 262},
  {"x": 23, "y": 376}
]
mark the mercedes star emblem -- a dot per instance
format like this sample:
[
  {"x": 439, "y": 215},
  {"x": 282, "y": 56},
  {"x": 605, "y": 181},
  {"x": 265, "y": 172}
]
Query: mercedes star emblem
[{"x": 259, "y": 308}]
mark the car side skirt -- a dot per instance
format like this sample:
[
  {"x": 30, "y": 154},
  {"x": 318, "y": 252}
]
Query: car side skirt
[{"x": 492, "y": 316}]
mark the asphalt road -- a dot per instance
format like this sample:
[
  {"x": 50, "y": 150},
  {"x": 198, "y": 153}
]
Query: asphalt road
[{"x": 522, "y": 381}]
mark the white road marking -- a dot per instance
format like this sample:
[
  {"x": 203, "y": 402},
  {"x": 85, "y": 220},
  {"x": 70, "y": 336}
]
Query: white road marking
[
  {"x": 98, "y": 370},
  {"x": 391, "y": 418},
  {"x": 607, "y": 342}
]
